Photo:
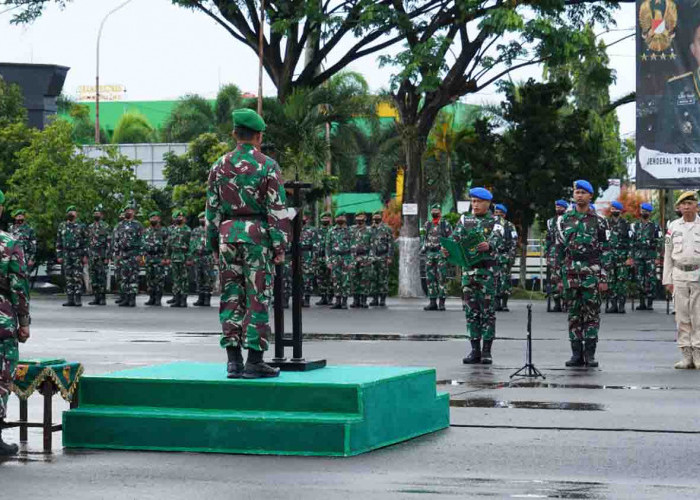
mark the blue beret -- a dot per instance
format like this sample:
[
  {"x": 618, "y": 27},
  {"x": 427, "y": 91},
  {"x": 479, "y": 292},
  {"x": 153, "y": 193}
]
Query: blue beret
[
  {"x": 501, "y": 207},
  {"x": 581, "y": 184},
  {"x": 481, "y": 193},
  {"x": 562, "y": 203},
  {"x": 647, "y": 206},
  {"x": 616, "y": 204}
]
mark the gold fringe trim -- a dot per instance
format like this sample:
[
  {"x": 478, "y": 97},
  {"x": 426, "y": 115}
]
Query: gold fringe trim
[{"x": 48, "y": 372}]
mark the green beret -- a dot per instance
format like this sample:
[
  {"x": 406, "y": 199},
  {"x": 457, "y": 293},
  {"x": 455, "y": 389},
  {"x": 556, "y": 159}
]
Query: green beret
[
  {"x": 130, "y": 205},
  {"x": 436, "y": 205},
  {"x": 327, "y": 214},
  {"x": 249, "y": 119},
  {"x": 177, "y": 212},
  {"x": 2, "y": 198},
  {"x": 201, "y": 215},
  {"x": 71, "y": 208},
  {"x": 98, "y": 208},
  {"x": 18, "y": 211},
  {"x": 155, "y": 213}
]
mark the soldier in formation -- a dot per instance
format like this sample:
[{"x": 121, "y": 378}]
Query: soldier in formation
[
  {"x": 155, "y": 242},
  {"x": 382, "y": 250},
  {"x": 177, "y": 250},
  {"x": 505, "y": 259},
  {"x": 362, "y": 258},
  {"x": 71, "y": 252},
  {"x": 339, "y": 258},
  {"x": 99, "y": 237},
  {"x": 323, "y": 273},
  {"x": 435, "y": 262},
  {"x": 14, "y": 318},
  {"x": 202, "y": 259},
  {"x": 25, "y": 235},
  {"x": 128, "y": 245},
  {"x": 308, "y": 247},
  {"x": 616, "y": 259},
  {"x": 646, "y": 252},
  {"x": 551, "y": 250},
  {"x": 584, "y": 236}
]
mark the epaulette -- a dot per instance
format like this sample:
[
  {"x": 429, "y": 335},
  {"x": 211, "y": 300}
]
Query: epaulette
[{"x": 689, "y": 73}]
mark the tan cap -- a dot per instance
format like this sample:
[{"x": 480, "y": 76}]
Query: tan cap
[{"x": 687, "y": 195}]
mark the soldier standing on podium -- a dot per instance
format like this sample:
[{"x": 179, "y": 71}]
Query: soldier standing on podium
[{"x": 247, "y": 228}]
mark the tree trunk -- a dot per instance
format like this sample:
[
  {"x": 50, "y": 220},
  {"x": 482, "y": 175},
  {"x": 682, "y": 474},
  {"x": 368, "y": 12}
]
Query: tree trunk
[{"x": 409, "y": 239}]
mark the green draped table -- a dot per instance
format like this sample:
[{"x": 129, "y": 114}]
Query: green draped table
[{"x": 47, "y": 377}]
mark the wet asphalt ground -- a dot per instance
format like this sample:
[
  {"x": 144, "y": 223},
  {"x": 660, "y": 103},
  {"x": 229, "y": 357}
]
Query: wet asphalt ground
[{"x": 629, "y": 429}]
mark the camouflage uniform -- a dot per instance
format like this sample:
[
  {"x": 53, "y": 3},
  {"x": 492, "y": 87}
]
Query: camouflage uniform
[
  {"x": 246, "y": 215},
  {"x": 362, "y": 258},
  {"x": 203, "y": 260},
  {"x": 155, "y": 241},
  {"x": 287, "y": 278},
  {"x": 583, "y": 240},
  {"x": 551, "y": 250},
  {"x": 128, "y": 248},
  {"x": 99, "y": 245},
  {"x": 307, "y": 246},
  {"x": 382, "y": 252},
  {"x": 115, "y": 256},
  {"x": 323, "y": 273},
  {"x": 505, "y": 259},
  {"x": 435, "y": 262},
  {"x": 615, "y": 256},
  {"x": 71, "y": 246},
  {"x": 338, "y": 247},
  {"x": 14, "y": 311},
  {"x": 479, "y": 282},
  {"x": 646, "y": 249},
  {"x": 177, "y": 249},
  {"x": 25, "y": 235}
]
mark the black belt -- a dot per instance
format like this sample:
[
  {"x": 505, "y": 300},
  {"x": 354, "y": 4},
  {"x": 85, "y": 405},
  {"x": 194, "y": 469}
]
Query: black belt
[
  {"x": 485, "y": 263},
  {"x": 306, "y": 248}
]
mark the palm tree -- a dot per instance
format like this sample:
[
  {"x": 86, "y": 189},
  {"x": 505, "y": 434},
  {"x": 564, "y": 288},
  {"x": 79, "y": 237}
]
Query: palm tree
[{"x": 133, "y": 128}]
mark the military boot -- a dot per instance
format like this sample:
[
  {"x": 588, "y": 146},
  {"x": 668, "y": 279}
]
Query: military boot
[
  {"x": 355, "y": 302},
  {"x": 78, "y": 300},
  {"x": 207, "y": 300},
  {"x": 432, "y": 306},
  {"x": 441, "y": 304},
  {"x": 71, "y": 300},
  {"x": 307, "y": 301},
  {"x": 557, "y": 306},
  {"x": 199, "y": 300},
  {"x": 255, "y": 367},
  {"x": 157, "y": 298},
  {"x": 119, "y": 299},
  {"x": 151, "y": 299},
  {"x": 183, "y": 300},
  {"x": 375, "y": 300},
  {"x": 338, "y": 304},
  {"x": 686, "y": 363},
  {"x": 235, "y": 365},
  {"x": 344, "y": 303},
  {"x": 590, "y": 353},
  {"x": 576, "y": 354},
  {"x": 382, "y": 300},
  {"x": 130, "y": 301},
  {"x": 103, "y": 299},
  {"x": 621, "y": 305},
  {"x": 324, "y": 301},
  {"x": 175, "y": 301},
  {"x": 7, "y": 449},
  {"x": 172, "y": 300},
  {"x": 474, "y": 357},
  {"x": 498, "y": 307},
  {"x": 285, "y": 303},
  {"x": 505, "y": 304},
  {"x": 642, "y": 303},
  {"x": 486, "y": 353},
  {"x": 650, "y": 304},
  {"x": 363, "y": 302},
  {"x": 611, "y": 306},
  {"x": 95, "y": 301}
]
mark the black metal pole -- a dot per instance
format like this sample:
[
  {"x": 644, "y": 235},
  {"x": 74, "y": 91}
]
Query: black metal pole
[
  {"x": 297, "y": 353},
  {"x": 279, "y": 314}
]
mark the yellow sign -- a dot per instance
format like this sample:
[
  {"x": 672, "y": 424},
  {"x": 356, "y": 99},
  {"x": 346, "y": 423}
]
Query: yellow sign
[
  {"x": 107, "y": 92},
  {"x": 399, "y": 185}
]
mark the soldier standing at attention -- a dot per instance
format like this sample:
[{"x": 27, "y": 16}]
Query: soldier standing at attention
[
  {"x": 551, "y": 250},
  {"x": 155, "y": 241},
  {"x": 25, "y": 235},
  {"x": 479, "y": 281},
  {"x": 177, "y": 249},
  {"x": 338, "y": 245},
  {"x": 247, "y": 228},
  {"x": 71, "y": 251},
  {"x": 307, "y": 245},
  {"x": 682, "y": 277},
  {"x": 128, "y": 245},
  {"x": 202, "y": 259},
  {"x": 584, "y": 236},
  {"x": 383, "y": 254},
  {"x": 505, "y": 259},
  {"x": 14, "y": 319},
  {"x": 617, "y": 259},
  {"x": 116, "y": 261},
  {"x": 646, "y": 253},
  {"x": 323, "y": 274},
  {"x": 99, "y": 244},
  {"x": 361, "y": 262},
  {"x": 435, "y": 262}
]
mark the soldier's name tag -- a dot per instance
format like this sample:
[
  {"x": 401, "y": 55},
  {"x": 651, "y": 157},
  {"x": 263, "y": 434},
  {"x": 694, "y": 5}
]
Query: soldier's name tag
[
  {"x": 515, "y": 234},
  {"x": 497, "y": 228},
  {"x": 607, "y": 234},
  {"x": 686, "y": 98}
]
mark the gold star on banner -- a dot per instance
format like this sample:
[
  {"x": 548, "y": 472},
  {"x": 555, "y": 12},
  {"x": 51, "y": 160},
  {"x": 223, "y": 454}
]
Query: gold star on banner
[
  {"x": 644, "y": 57},
  {"x": 672, "y": 56},
  {"x": 663, "y": 56},
  {"x": 653, "y": 57}
]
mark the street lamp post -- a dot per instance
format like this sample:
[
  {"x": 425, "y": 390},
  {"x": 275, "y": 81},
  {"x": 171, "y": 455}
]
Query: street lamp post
[{"x": 97, "y": 72}]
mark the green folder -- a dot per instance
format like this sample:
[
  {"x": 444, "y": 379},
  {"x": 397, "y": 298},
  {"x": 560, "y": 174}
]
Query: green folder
[{"x": 465, "y": 254}]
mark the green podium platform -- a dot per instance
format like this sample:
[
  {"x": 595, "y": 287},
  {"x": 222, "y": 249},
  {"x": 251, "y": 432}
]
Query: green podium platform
[{"x": 334, "y": 411}]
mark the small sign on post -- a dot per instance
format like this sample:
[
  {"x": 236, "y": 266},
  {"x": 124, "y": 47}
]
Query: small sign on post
[{"x": 410, "y": 209}]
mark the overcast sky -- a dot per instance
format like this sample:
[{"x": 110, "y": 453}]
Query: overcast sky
[{"x": 160, "y": 51}]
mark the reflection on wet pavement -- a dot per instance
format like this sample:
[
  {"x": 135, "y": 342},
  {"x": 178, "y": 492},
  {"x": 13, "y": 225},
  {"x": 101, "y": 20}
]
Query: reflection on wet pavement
[
  {"x": 528, "y": 405},
  {"x": 523, "y": 384}
]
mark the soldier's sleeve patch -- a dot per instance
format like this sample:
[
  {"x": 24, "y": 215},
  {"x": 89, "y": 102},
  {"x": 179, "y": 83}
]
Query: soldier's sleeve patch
[{"x": 497, "y": 228}]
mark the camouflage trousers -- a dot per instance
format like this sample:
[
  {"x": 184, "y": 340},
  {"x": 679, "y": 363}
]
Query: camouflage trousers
[
  {"x": 554, "y": 270},
  {"x": 436, "y": 275},
  {"x": 156, "y": 272},
  {"x": 73, "y": 273},
  {"x": 287, "y": 276},
  {"x": 361, "y": 280},
  {"x": 479, "y": 287},
  {"x": 204, "y": 273},
  {"x": 98, "y": 274},
  {"x": 9, "y": 355},
  {"x": 323, "y": 277},
  {"x": 380, "y": 276},
  {"x": 117, "y": 274},
  {"x": 246, "y": 291},
  {"x": 129, "y": 274},
  {"x": 180, "y": 276},
  {"x": 581, "y": 290},
  {"x": 618, "y": 278},
  {"x": 647, "y": 281},
  {"x": 308, "y": 269},
  {"x": 504, "y": 286},
  {"x": 340, "y": 274}
]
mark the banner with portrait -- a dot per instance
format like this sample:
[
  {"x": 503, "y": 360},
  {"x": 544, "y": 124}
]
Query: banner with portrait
[{"x": 668, "y": 94}]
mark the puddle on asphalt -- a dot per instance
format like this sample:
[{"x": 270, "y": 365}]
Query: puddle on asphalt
[
  {"x": 551, "y": 385},
  {"x": 526, "y": 405},
  {"x": 147, "y": 341}
]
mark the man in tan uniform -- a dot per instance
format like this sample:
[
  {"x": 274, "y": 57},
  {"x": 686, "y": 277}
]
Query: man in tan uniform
[{"x": 682, "y": 277}]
